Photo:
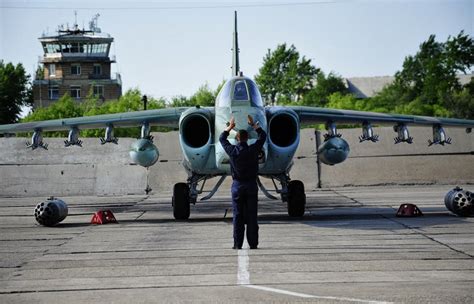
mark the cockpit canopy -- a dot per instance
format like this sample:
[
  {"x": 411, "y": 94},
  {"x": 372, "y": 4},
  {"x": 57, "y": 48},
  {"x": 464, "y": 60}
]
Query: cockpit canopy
[{"x": 239, "y": 91}]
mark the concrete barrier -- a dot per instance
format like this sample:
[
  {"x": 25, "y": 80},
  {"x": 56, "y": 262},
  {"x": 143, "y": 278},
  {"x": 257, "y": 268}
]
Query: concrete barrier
[{"x": 106, "y": 169}]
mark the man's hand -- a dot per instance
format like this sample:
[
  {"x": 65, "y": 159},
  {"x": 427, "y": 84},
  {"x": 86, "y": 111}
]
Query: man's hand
[
  {"x": 231, "y": 124},
  {"x": 255, "y": 126}
]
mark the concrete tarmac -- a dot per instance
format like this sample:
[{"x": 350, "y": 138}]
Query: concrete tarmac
[{"x": 349, "y": 248}]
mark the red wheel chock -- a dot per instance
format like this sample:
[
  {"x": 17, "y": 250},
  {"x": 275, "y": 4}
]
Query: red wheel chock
[
  {"x": 409, "y": 210},
  {"x": 103, "y": 217}
]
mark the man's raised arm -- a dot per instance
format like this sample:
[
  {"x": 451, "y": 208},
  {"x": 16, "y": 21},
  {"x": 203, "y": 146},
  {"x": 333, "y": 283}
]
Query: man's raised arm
[
  {"x": 262, "y": 135},
  {"x": 228, "y": 147}
]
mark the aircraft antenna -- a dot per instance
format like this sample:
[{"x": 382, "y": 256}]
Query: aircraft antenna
[{"x": 235, "y": 49}]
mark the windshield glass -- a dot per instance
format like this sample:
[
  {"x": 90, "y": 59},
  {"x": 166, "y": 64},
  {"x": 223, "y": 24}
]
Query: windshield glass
[
  {"x": 223, "y": 99},
  {"x": 240, "y": 91},
  {"x": 254, "y": 94}
]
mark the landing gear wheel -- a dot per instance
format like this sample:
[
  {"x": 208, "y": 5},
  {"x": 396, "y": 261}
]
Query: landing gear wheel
[
  {"x": 296, "y": 198},
  {"x": 180, "y": 201}
]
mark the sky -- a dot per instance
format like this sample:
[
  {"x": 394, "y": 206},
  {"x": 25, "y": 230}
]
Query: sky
[{"x": 167, "y": 48}]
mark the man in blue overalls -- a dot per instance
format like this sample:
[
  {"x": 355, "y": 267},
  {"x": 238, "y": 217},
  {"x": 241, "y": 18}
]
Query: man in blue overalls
[{"x": 244, "y": 169}]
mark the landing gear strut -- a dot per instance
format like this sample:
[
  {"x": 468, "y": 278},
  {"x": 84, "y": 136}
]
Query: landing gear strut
[
  {"x": 185, "y": 194},
  {"x": 292, "y": 192}
]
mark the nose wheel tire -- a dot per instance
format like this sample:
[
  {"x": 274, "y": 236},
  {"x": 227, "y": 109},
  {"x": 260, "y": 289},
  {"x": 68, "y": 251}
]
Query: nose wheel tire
[
  {"x": 296, "y": 198},
  {"x": 180, "y": 201}
]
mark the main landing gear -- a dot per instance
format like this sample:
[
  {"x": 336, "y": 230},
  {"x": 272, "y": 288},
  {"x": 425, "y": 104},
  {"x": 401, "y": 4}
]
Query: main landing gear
[
  {"x": 185, "y": 194},
  {"x": 180, "y": 201},
  {"x": 292, "y": 192},
  {"x": 296, "y": 198}
]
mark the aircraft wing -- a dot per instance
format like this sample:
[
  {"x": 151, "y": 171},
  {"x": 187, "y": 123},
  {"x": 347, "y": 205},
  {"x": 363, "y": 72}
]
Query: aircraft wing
[
  {"x": 311, "y": 115},
  {"x": 168, "y": 117}
]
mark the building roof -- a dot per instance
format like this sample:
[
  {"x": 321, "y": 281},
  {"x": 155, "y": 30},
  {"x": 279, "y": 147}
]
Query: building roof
[{"x": 365, "y": 87}]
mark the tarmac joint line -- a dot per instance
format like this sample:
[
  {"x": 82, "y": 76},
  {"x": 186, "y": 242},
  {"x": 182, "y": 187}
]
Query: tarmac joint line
[{"x": 417, "y": 231}]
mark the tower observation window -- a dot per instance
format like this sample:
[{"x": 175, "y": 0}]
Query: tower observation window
[
  {"x": 99, "y": 48},
  {"x": 80, "y": 48},
  {"x": 66, "y": 48},
  {"x": 51, "y": 48}
]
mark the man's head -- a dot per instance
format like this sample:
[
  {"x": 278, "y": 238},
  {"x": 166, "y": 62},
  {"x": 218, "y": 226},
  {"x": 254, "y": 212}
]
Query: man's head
[{"x": 242, "y": 136}]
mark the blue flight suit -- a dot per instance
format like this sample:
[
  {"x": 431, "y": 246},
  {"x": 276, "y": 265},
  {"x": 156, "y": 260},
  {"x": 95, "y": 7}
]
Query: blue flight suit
[{"x": 244, "y": 169}]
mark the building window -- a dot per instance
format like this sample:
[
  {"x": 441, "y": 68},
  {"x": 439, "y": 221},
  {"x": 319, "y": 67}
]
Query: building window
[
  {"x": 99, "y": 48},
  {"x": 97, "y": 69},
  {"x": 66, "y": 48},
  {"x": 51, "y": 48},
  {"x": 98, "y": 90},
  {"x": 52, "y": 69},
  {"x": 76, "y": 69},
  {"x": 76, "y": 92},
  {"x": 53, "y": 92},
  {"x": 74, "y": 48}
]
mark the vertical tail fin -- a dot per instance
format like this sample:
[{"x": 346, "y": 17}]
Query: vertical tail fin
[{"x": 235, "y": 50}]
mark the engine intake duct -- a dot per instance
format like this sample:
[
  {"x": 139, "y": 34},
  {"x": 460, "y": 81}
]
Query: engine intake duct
[
  {"x": 195, "y": 130},
  {"x": 283, "y": 129}
]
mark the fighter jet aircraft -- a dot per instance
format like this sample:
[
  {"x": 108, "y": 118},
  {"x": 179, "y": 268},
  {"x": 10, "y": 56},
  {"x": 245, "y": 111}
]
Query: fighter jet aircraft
[{"x": 200, "y": 127}]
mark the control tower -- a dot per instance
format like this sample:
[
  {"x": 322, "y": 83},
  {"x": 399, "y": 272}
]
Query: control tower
[{"x": 76, "y": 62}]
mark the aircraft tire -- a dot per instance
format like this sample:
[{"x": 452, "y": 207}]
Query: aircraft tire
[
  {"x": 180, "y": 201},
  {"x": 296, "y": 198}
]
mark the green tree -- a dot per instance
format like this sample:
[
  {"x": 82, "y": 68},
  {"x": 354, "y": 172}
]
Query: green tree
[
  {"x": 339, "y": 100},
  {"x": 203, "y": 97},
  {"x": 427, "y": 83},
  {"x": 39, "y": 74},
  {"x": 461, "y": 102},
  {"x": 15, "y": 91},
  {"x": 66, "y": 107},
  {"x": 285, "y": 74},
  {"x": 129, "y": 102},
  {"x": 180, "y": 101},
  {"x": 325, "y": 87}
]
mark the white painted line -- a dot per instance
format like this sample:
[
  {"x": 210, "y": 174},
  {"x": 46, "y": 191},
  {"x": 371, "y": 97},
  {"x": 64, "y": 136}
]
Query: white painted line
[
  {"x": 243, "y": 278},
  {"x": 243, "y": 275},
  {"x": 290, "y": 293},
  {"x": 303, "y": 295}
]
